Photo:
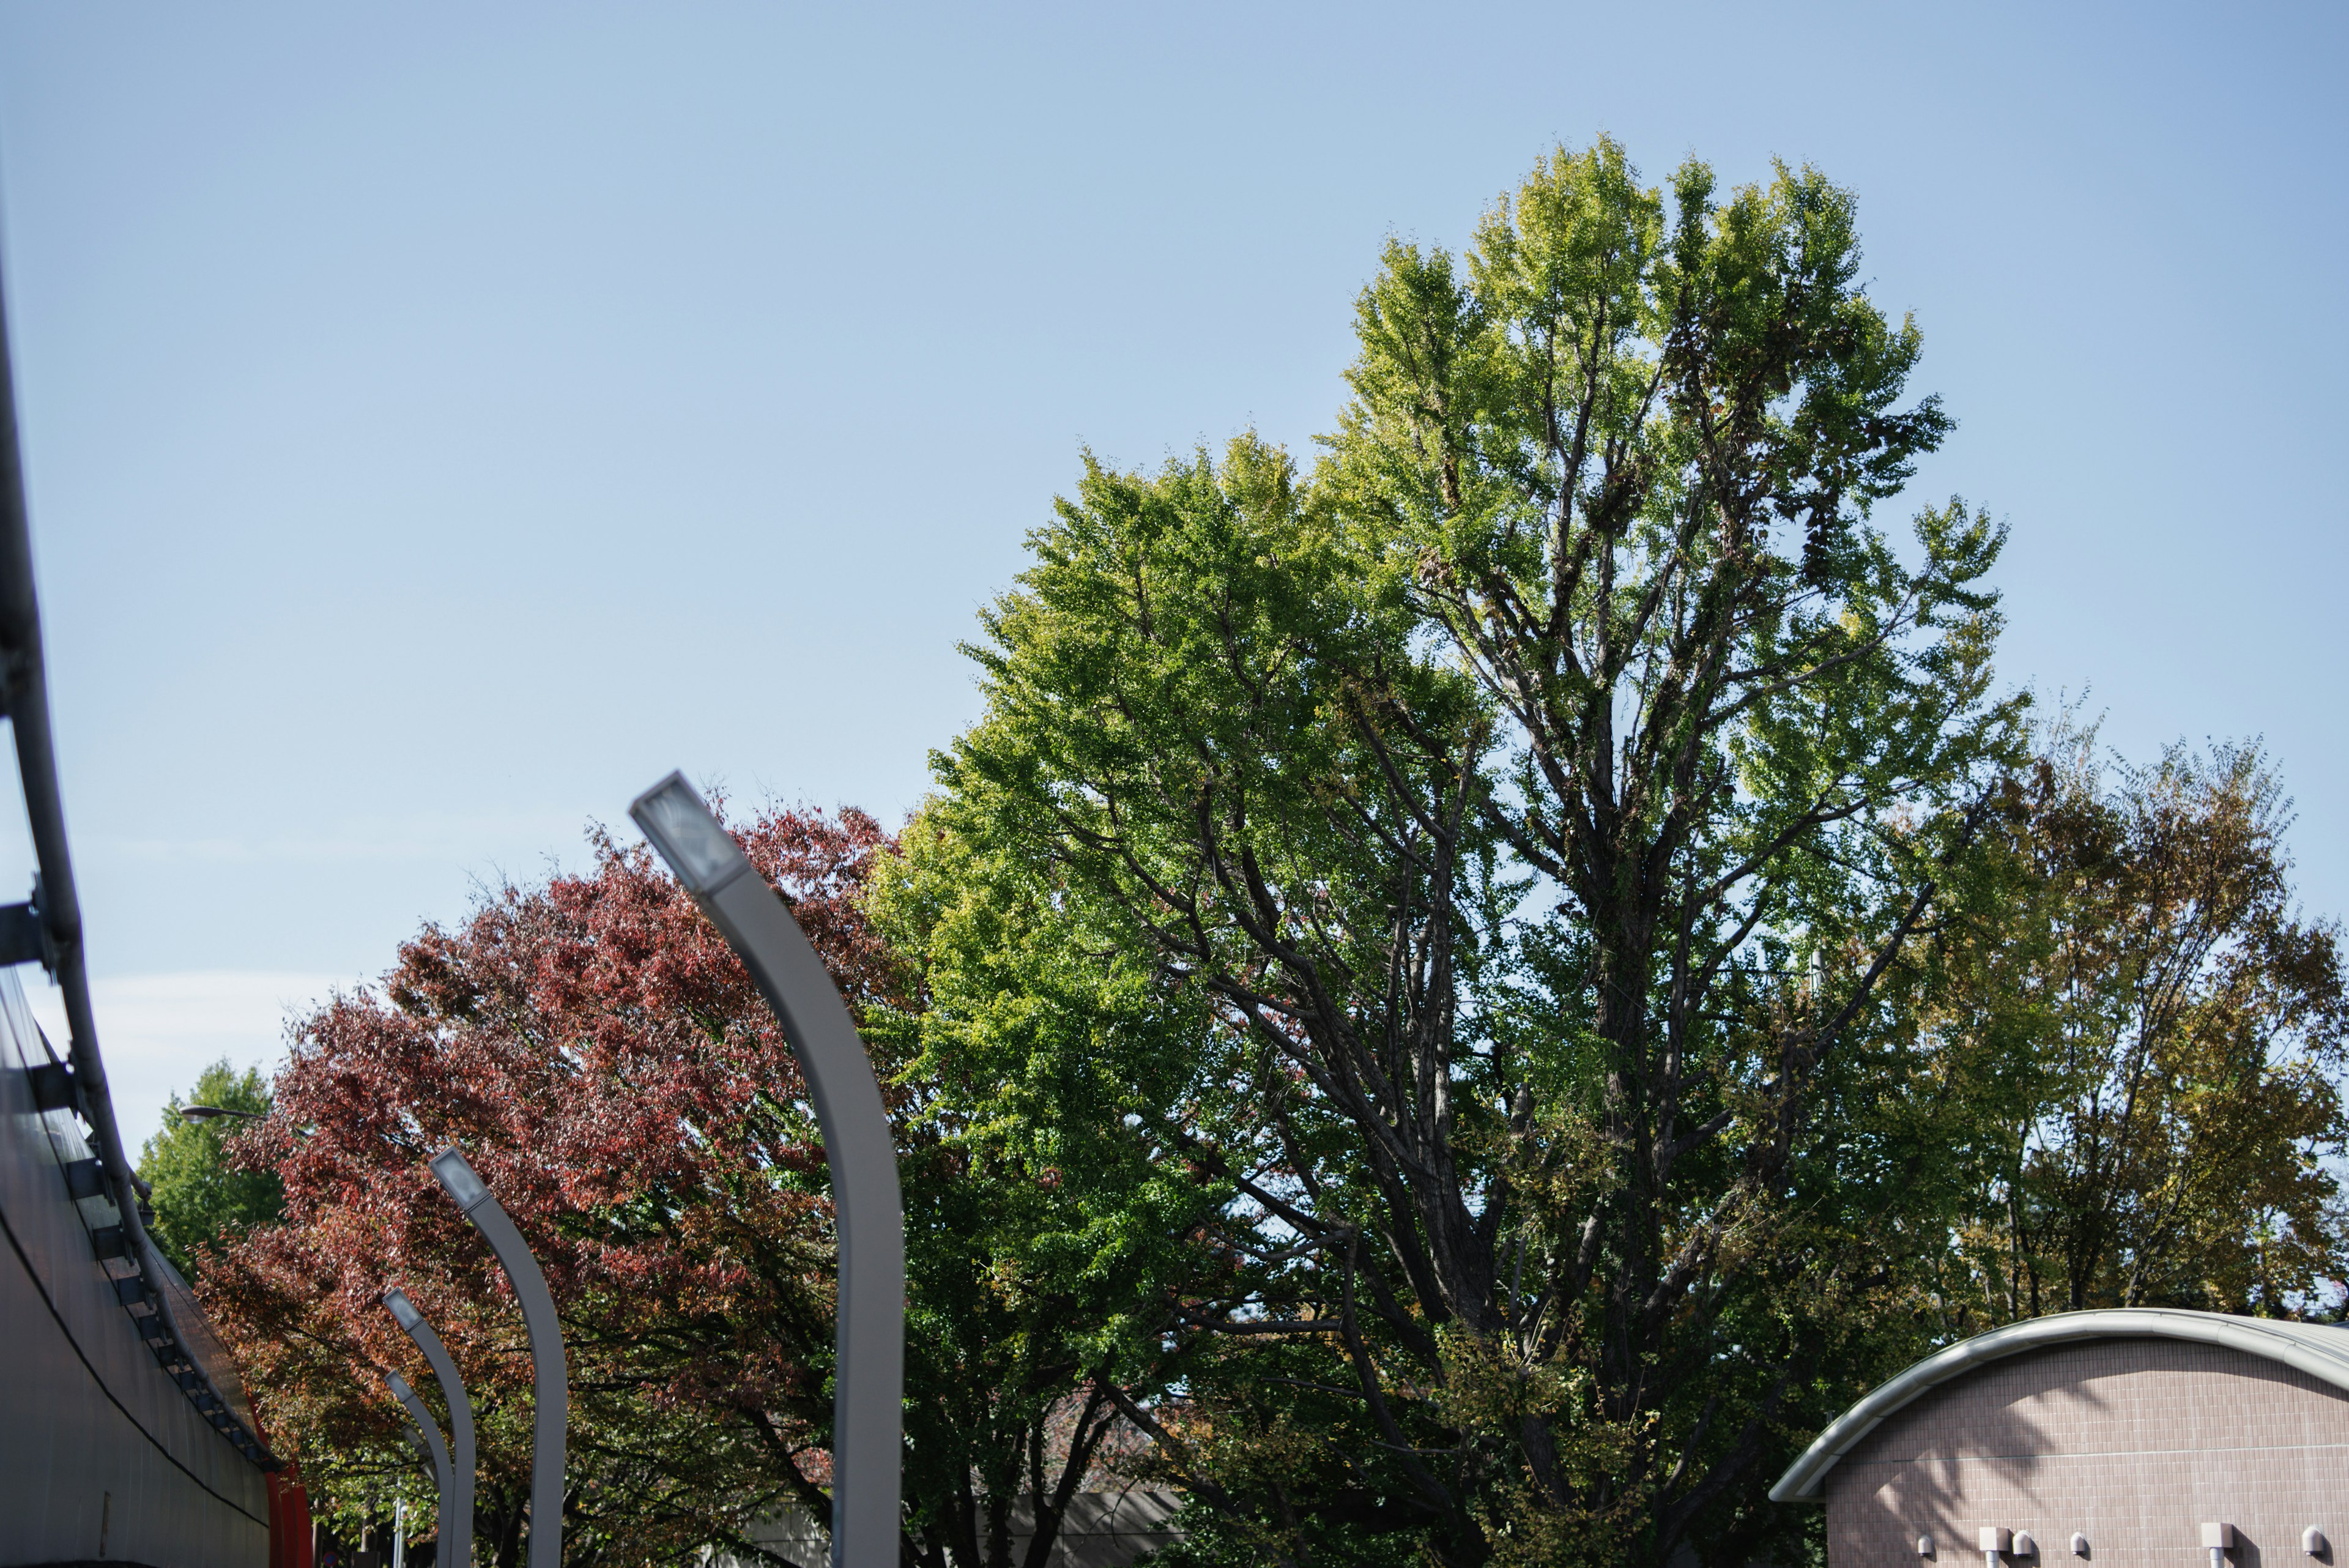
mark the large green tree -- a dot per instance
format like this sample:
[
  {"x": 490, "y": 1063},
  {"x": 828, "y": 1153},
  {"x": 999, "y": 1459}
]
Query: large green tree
[{"x": 1526, "y": 826}]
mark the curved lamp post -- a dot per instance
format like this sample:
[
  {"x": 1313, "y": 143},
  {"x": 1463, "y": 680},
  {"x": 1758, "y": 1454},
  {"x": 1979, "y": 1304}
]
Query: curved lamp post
[
  {"x": 456, "y": 1548},
  {"x": 428, "y": 1432},
  {"x": 550, "y": 1383},
  {"x": 869, "y": 1377}
]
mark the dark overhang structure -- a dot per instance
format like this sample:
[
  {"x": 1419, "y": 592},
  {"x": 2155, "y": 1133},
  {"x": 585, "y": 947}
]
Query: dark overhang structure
[{"x": 128, "y": 1437}]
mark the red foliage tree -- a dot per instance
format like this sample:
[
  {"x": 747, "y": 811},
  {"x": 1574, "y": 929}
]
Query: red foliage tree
[{"x": 604, "y": 1063}]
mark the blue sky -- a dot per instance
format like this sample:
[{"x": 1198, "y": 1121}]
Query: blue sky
[{"x": 440, "y": 422}]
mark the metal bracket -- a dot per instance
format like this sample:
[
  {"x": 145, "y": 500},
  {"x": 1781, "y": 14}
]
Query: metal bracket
[
  {"x": 24, "y": 935},
  {"x": 53, "y": 1086},
  {"x": 85, "y": 1178},
  {"x": 20, "y": 933}
]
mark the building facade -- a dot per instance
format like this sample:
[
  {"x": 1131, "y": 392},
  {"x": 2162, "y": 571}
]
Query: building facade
[{"x": 2138, "y": 1438}]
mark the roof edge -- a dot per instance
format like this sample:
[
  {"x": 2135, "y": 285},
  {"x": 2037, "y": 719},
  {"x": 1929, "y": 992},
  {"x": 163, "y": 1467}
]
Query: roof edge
[{"x": 2268, "y": 1338}]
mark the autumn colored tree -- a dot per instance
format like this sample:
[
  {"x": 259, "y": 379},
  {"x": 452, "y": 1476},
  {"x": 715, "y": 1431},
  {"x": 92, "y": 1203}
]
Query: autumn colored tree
[
  {"x": 2188, "y": 1029},
  {"x": 602, "y": 1059},
  {"x": 1525, "y": 826}
]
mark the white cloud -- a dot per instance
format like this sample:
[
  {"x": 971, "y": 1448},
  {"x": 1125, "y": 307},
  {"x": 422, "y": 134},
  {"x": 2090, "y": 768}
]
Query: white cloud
[{"x": 156, "y": 1031}]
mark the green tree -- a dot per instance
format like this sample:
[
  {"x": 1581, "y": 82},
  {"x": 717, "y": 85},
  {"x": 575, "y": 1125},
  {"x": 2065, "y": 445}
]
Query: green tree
[
  {"x": 202, "y": 1198},
  {"x": 1529, "y": 824},
  {"x": 1041, "y": 1238}
]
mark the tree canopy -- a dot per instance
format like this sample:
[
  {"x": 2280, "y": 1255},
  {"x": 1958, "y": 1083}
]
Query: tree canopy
[
  {"x": 1531, "y": 810},
  {"x": 2186, "y": 1027},
  {"x": 601, "y": 1058},
  {"x": 1459, "y": 1000},
  {"x": 202, "y": 1197}
]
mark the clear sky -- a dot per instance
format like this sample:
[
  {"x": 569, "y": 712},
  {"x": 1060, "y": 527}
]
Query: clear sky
[{"x": 442, "y": 421}]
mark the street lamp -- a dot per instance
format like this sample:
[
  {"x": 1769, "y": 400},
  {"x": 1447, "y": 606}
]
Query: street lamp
[
  {"x": 456, "y": 1547},
  {"x": 208, "y": 1113},
  {"x": 870, "y": 1355},
  {"x": 429, "y": 1430},
  {"x": 549, "y": 1385}
]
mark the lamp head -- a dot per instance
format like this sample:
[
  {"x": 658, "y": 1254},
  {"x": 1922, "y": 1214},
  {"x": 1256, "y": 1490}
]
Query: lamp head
[
  {"x": 698, "y": 848},
  {"x": 399, "y": 1388},
  {"x": 402, "y": 1308},
  {"x": 459, "y": 1180}
]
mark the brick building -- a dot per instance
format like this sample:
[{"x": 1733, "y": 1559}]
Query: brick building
[{"x": 2095, "y": 1439}]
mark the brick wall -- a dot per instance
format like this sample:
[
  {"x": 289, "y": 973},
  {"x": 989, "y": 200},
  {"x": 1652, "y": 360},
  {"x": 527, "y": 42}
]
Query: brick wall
[{"x": 2131, "y": 1442}]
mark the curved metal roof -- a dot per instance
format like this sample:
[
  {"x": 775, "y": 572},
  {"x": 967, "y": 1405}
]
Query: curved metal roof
[{"x": 2319, "y": 1350}]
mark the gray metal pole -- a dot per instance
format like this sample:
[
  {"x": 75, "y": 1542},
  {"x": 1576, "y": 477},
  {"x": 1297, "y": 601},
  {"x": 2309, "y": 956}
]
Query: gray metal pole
[
  {"x": 429, "y": 1430},
  {"x": 456, "y": 1538},
  {"x": 550, "y": 1382},
  {"x": 869, "y": 1377}
]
